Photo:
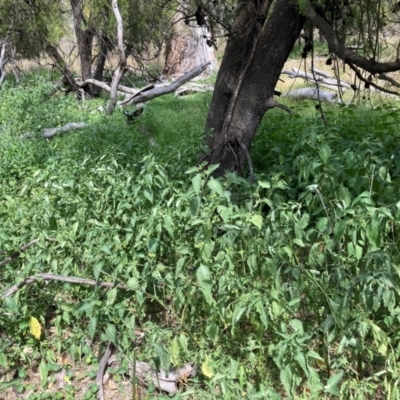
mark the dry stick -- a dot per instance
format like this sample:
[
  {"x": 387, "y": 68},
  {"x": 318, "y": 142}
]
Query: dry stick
[
  {"x": 247, "y": 154},
  {"x": 18, "y": 252},
  {"x": 102, "y": 368},
  {"x": 60, "y": 278}
]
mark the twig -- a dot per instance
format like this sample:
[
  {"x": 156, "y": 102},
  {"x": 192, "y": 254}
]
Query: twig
[
  {"x": 52, "y": 277},
  {"x": 18, "y": 252},
  {"x": 102, "y": 368},
  {"x": 283, "y": 107},
  {"x": 247, "y": 154}
]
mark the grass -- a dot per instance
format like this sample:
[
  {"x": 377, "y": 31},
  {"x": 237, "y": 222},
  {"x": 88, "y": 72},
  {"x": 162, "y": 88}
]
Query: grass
[{"x": 287, "y": 288}]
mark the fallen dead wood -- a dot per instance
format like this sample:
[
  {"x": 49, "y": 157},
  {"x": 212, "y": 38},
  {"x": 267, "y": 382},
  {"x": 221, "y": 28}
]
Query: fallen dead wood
[
  {"x": 318, "y": 76},
  {"x": 60, "y": 278},
  {"x": 193, "y": 88},
  {"x": 313, "y": 94},
  {"x": 160, "y": 90},
  {"x": 101, "y": 370},
  {"x": 18, "y": 252},
  {"x": 48, "y": 133}
]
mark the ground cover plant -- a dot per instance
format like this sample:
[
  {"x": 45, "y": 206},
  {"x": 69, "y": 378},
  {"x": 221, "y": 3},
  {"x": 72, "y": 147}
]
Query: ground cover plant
[{"x": 286, "y": 288}]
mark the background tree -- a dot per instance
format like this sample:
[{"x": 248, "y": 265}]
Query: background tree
[{"x": 260, "y": 40}]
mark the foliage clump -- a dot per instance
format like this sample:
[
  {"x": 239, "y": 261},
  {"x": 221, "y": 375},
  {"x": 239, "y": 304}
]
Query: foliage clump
[{"x": 290, "y": 285}]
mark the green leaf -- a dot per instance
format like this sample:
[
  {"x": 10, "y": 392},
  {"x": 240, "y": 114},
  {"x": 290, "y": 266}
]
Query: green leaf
[
  {"x": 105, "y": 249},
  {"x": 344, "y": 195},
  {"x": 44, "y": 372},
  {"x": 204, "y": 278},
  {"x": 175, "y": 351},
  {"x": 331, "y": 386},
  {"x": 163, "y": 355},
  {"x": 264, "y": 184},
  {"x": 257, "y": 220},
  {"x": 196, "y": 182},
  {"x": 216, "y": 186},
  {"x": 373, "y": 234},
  {"x": 297, "y": 326},
  {"x": 325, "y": 152},
  {"x": 261, "y": 312},
  {"x": 338, "y": 230},
  {"x": 111, "y": 333},
  {"x": 111, "y": 295}
]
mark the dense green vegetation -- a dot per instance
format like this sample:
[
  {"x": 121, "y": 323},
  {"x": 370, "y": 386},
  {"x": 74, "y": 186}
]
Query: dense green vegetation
[{"x": 287, "y": 287}]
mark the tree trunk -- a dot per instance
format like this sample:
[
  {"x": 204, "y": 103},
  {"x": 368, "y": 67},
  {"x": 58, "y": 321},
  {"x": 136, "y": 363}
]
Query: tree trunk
[
  {"x": 255, "y": 55},
  {"x": 104, "y": 47},
  {"x": 84, "y": 39},
  {"x": 186, "y": 48}
]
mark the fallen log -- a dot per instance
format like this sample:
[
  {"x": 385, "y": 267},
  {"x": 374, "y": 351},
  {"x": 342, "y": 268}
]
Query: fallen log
[
  {"x": 313, "y": 94},
  {"x": 48, "y": 133},
  {"x": 319, "y": 77}
]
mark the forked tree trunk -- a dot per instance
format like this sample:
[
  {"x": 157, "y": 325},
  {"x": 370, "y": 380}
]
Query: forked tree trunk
[{"x": 250, "y": 69}]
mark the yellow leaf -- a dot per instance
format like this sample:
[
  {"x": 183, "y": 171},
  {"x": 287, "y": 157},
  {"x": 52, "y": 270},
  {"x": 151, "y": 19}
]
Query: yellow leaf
[
  {"x": 35, "y": 328},
  {"x": 206, "y": 368}
]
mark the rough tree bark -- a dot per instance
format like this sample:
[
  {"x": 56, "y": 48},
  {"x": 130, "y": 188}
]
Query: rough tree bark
[
  {"x": 253, "y": 60},
  {"x": 84, "y": 39}
]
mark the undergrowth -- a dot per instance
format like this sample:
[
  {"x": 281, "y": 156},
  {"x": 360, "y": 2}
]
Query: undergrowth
[{"x": 287, "y": 288}]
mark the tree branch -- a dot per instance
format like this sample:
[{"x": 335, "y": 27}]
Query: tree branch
[
  {"x": 365, "y": 80},
  {"x": 101, "y": 370},
  {"x": 345, "y": 53},
  {"x": 18, "y": 252},
  {"x": 157, "y": 91},
  {"x": 52, "y": 277}
]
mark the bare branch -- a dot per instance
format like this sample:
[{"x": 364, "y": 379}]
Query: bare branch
[
  {"x": 161, "y": 90},
  {"x": 365, "y": 80},
  {"x": 283, "y": 107},
  {"x": 101, "y": 370},
  {"x": 18, "y": 252},
  {"x": 389, "y": 79},
  {"x": 52, "y": 277},
  {"x": 346, "y": 54}
]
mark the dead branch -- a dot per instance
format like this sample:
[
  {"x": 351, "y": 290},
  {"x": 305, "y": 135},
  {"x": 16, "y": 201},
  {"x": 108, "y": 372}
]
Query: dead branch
[
  {"x": 161, "y": 90},
  {"x": 320, "y": 77},
  {"x": 18, "y": 252},
  {"x": 52, "y": 277},
  {"x": 313, "y": 94},
  {"x": 102, "y": 367},
  {"x": 48, "y": 133}
]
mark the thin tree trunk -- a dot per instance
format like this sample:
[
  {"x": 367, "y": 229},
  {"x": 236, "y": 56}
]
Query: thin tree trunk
[
  {"x": 253, "y": 60},
  {"x": 120, "y": 70},
  {"x": 84, "y": 38},
  {"x": 53, "y": 52},
  {"x": 101, "y": 60}
]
